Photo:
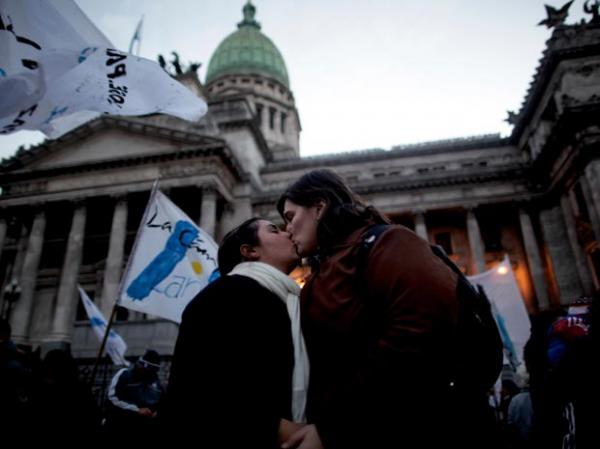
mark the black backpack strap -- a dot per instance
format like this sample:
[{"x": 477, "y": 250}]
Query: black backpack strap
[{"x": 367, "y": 241}]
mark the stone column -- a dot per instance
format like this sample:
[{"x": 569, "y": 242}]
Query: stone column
[
  {"x": 3, "y": 227},
  {"x": 208, "y": 211},
  {"x": 580, "y": 256},
  {"x": 24, "y": 307},
  {"x": 420, "y": 227},
  {"x": 534, "y": 260},
  {"x": 68, "y": 295},
  {"x": 475, "y": 243},
  {"x": 114, "y": 260},
  {"x": 561, "y": 254},
  {"x": 590, "y": 185}
]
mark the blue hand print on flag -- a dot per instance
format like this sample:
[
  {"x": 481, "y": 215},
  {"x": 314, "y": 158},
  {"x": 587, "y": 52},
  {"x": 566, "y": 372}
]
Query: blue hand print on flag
[
  {"x": 173, "y": 259},
  {"x": 163, "y": 264},
  {"x": 115, "y": 346}
]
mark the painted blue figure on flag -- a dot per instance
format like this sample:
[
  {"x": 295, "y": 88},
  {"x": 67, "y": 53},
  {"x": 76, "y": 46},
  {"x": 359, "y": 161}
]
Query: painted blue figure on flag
[{"x": 164, "y": 263}]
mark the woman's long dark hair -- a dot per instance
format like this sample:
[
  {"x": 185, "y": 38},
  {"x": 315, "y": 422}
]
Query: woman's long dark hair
[
  {"x": 229, "y": 254},
  {"x": 345, "y": 210}
]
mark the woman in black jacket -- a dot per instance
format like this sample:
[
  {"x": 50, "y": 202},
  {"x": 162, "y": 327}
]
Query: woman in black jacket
[{"x": 239, "y": 373}]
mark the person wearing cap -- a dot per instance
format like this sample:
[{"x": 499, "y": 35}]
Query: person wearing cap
[{"x": 134, "y": 395}]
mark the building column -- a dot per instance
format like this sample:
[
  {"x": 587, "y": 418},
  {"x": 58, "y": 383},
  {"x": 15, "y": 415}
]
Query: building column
[
  {"x": 475, "y": 243},
  {"x": 208, "y": 211},
  {"x": 561, "y": 254},
  {"x": 24, "y": 307},
  {"x": 3, "y": 227},
  {"x": 589, "y": 202},
  {"x": 68, "y": 295},
  {"x": 534, "y": 260},
  {"x": 420, "y": 227},
  {"x": 580, "y": 257},
  {"x": 591, "y": 190},
  {"x": 114, "y": 260}
]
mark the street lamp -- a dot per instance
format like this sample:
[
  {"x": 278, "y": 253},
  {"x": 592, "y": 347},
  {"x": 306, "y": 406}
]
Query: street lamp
[{"x": 12, "y": 292}]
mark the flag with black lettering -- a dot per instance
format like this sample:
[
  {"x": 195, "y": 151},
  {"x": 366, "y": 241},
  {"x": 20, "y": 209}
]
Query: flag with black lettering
[
  {"x": 56, "y": 68},
  {"x": 171, "y": 261},
  {"x": 115, "y": 346}
]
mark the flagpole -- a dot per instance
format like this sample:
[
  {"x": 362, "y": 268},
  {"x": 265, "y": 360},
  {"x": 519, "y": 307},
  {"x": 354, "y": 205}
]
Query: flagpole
[
  {"x": 127, "y": 267},
  {"x": 103, "y": 344},
  {"x": 137, "y": 236}
]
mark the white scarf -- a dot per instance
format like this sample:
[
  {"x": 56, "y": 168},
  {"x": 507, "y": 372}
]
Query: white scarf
[{"x": 285, "y": 288}]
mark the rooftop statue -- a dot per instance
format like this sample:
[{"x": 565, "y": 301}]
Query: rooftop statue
[
  {"x": 593, "y": 10},
  {"x": 176, "y": 64},
  {"x": 556, "y": 17}
]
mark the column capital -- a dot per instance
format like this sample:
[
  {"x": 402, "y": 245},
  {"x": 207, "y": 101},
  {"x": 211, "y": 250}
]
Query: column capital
[
  {"x": 78, "y": 201},
  {"x": 470, "y": 207},
  {"x": 209, "y": 188},
  {"x": 119, "y": 196}
]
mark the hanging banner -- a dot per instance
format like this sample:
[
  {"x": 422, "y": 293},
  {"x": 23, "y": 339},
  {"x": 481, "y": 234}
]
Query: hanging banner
[{"x": 508, "y": 306}]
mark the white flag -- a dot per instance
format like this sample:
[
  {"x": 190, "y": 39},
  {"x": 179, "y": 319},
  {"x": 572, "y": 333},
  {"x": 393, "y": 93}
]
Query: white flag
[
  {"x": 115, "y": 346},
  {"x": 508, "y": 307},
  {"x": 172, "y": 260},
  {"x": 54, "y": 63}
]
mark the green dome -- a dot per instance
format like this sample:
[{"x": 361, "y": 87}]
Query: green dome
[{"x": 247, "y": 51}]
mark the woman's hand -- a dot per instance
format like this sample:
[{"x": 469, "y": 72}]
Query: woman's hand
[
  {"x": 287, "y": 429},
  {"x": 305, "y": 438}
]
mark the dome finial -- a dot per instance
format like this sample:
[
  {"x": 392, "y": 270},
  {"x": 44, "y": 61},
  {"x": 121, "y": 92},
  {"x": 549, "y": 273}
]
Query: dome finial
[{"x": 249, "y": 10}]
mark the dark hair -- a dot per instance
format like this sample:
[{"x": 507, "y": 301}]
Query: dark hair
[
  {"x": 229, "y": 252},
  {"x": 345, "y": 211}
]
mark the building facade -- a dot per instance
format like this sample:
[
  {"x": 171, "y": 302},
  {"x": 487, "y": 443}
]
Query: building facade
[{"x": 70, "y": 208}]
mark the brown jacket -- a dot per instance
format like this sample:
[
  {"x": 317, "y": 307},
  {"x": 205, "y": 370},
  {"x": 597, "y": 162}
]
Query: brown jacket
[{"x": 379, "y": 334}]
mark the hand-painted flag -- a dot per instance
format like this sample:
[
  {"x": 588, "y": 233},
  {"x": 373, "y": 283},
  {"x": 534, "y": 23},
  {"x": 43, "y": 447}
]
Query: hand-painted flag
[
  {"x": 115, "y": 346},
  {"x": 172, "y": 260},
  {"x": 56, "y": 68}
]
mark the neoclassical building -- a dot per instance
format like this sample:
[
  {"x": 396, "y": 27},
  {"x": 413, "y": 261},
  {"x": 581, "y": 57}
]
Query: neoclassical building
[{"x": 70, "y": 208}]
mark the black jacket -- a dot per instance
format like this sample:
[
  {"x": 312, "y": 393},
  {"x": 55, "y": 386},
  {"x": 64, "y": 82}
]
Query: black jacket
[{"x": 231, "y": 376}]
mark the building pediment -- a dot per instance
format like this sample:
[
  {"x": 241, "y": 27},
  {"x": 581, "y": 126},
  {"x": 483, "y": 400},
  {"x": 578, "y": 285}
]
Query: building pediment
[{"x": 107, "y": 139}]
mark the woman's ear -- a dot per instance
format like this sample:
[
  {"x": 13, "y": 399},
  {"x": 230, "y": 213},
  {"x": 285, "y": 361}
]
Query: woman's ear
[
  {"x": 321, "y": 206},
  {"x": 249, "y": 252}
]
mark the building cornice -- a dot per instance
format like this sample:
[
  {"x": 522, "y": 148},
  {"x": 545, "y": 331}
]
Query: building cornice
[
  {"x": 566, "y": 43},
  {"x": 398, "y": 151},
  {"x": 516, "y": 172},
  {"x": 220, "y": 151},
  {"x": 135, "y": 125}
]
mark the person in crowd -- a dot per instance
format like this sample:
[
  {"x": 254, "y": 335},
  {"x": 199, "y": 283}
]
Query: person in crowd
[
  {"x": 134, "y": 396},
  {"x": 62, "y": 407},
  {"x": 16, "y": 382},
  {"x": 520, "y": 415},
  {"x": 239, "y": 373},
  {"x": 573, "y": 388},
  {"x": 380, "y": 332}
]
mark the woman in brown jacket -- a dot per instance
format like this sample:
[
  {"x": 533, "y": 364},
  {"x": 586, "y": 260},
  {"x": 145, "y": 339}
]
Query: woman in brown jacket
[{"x": 379, "y": 332}]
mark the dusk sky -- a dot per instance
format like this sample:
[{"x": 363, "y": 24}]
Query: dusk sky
[{"x": 365, "y": 74}]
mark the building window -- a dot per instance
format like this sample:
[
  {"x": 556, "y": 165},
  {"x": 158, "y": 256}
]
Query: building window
[
  {"x": 283, "y": 117},
  {"x": 259, "y": 113},
  {"x": 272, "y": 112},
  {"x": 444, "y": 239}
]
